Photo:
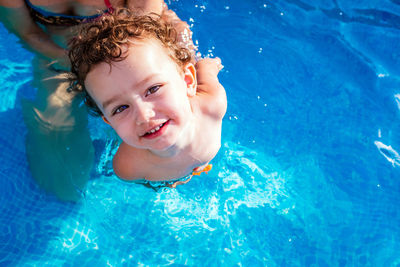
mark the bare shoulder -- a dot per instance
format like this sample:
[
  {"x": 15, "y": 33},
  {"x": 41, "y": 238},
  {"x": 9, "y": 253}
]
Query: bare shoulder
[
  {"x": 127, "y": 163},
  {"x": 211, "y": 94}
]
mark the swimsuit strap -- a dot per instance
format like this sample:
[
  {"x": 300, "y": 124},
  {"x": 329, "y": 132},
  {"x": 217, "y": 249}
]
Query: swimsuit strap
[
  {"x": 109, "y": 6},
  {"x": 50, "y": 18},
  {"x": 107, "y": 3},
  {"x": 160, "y": 184}
]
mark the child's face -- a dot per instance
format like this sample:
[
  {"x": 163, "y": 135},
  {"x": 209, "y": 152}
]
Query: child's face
[{"x": 145, "y": 97}]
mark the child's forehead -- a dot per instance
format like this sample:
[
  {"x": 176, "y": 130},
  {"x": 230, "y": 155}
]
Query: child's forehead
[{"x": 152, "y": 43}]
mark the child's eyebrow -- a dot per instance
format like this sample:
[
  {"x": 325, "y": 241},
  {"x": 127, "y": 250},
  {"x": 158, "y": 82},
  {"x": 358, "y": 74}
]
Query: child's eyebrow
[
  {"x": 137, "y": 85},
  {"x": 110, "y": 101},
  {"x": 145, "y": 80}
]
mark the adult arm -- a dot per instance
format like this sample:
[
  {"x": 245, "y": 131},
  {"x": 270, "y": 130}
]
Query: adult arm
[
  {"x": 146, "y": 6},
  {"x": 16, "y": 18},
  {"x": 160, "y": 7}
]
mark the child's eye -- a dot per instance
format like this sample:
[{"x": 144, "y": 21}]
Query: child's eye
[
  {"x": 152, "y": 90},
  {"x": 120, "y": 109}
]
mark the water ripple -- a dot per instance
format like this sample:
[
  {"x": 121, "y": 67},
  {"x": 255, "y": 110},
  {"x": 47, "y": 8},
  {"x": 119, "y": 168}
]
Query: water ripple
[
  {"x": 389, "y": 153},
  {"x": 14, "y": 76},
  {"x": 397, "y": 98}
]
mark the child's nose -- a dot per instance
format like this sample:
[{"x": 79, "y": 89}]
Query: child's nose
[{"x": 144, "y": 112}]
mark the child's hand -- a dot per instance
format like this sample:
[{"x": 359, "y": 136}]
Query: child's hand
[
  {"x": 211, "y": 65},
  {"x": 207, "y": 76}
]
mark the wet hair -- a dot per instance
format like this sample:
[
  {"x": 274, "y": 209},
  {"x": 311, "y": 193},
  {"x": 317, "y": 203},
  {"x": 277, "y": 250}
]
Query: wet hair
[{"x": 103, "y": 40}]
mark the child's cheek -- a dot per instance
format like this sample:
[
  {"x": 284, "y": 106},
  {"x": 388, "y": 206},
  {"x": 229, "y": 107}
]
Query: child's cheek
[{"x": 123, "y": 130}]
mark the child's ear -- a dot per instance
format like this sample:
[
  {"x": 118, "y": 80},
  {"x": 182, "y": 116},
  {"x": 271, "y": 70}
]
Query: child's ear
[
  {"x": 105, "y": 120},
  {"x": 190, "y": 79}
]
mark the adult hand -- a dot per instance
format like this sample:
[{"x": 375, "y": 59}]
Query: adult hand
[
  {"x": 61, "y": 64},
  {"x": 182, "y": 29}
]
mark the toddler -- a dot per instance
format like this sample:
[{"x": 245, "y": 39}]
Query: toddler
[{"x": 167, "y": 109}]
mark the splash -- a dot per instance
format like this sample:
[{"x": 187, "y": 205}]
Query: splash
[{"x": 245, "y": 179}]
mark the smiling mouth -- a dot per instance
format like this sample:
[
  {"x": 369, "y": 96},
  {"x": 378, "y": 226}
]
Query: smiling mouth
[{"x": 156, "y": 131}]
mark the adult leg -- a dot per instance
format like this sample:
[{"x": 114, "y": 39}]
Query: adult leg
[{"x": 58, "y": 145}]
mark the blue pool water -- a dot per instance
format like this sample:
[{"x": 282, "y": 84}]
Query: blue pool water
[{"x": 308, "y": 173}]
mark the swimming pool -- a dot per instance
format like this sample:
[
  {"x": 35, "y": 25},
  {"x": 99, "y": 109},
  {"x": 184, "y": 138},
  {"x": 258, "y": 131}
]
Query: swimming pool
[{"x": 308, "y": 173}]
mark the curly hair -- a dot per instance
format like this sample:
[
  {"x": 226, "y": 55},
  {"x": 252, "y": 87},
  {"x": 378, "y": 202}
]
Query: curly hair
[{"x": 102, "y": 41}]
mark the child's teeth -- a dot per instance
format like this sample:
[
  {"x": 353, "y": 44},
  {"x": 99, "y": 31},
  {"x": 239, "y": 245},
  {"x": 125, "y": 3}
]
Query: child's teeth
[{"x": 156, "y": 129}]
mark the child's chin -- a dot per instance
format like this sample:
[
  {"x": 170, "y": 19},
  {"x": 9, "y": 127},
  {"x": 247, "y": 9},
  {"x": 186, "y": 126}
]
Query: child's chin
[
  {"x": 161, "y": 147},
  {"x": 165, "y": 144}
]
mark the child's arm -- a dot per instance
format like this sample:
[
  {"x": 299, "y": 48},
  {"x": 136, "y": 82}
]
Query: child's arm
[
  {"x": 209, "y": 89},
  {"x": 207, "y": 70}
]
